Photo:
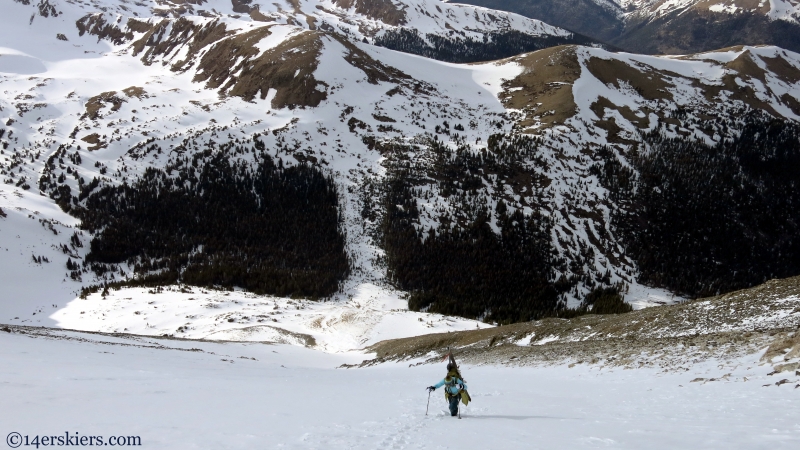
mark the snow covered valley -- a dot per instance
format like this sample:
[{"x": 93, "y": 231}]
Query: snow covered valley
[
  {"x": 717, "y": 373},
  {"x": 180, "y": 394}
]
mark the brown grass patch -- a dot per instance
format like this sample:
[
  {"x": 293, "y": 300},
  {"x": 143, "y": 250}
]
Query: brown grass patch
[
  {"x": 288, "y": 68},
  {"x": 95, "y": 140},
  {"x": 258, "y": 16},
  {"x": 786, "y": 346},
  {"x": 650, "y": 84},
  {"x": 543, "y": 91},
  {"x": 98, "y": 102},
  {"x": 791, "y": 102},
  {"x": 746, "y": 66},
  {"x": 782, "y": 69},
  {"x": 135, "y": 91},
  {"x": 610, "y": 124},
  {"x": 722, "y": 324},
  {"x": 383, "y": 10}
]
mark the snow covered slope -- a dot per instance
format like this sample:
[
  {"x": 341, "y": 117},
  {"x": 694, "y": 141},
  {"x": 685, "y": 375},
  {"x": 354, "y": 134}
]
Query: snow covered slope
[
  {"x": 89, "y": 95},
  {"x": 787, "y": 10},
  {"x": 371, "y": 315},
  {"x": 430, "y": 23},
  {"x": 668, "y": 26},
  {"x": 175, "y": 394}
]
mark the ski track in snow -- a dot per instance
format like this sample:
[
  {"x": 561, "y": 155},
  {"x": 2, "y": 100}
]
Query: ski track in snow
[{"x": 288, "y": 397}]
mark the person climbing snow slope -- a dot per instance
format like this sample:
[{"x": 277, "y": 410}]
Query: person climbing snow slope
[{"x": 455, "y": 389}]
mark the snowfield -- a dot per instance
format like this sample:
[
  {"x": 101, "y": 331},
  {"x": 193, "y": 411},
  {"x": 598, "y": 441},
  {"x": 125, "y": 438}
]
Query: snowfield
[
  {"x": 371, "y": 315},
  {"x": 244, "y": 395}
]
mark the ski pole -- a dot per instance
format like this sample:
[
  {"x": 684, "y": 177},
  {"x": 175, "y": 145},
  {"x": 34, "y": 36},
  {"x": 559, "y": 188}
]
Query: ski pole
[{"x": 429, "y": 402}]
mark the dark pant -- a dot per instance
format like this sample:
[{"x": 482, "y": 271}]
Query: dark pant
[{"x": 454, "y": 399}]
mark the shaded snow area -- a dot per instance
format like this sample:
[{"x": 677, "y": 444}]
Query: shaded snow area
[
  {"x": 34, "y": 227},
  {"x": 371, "y": 315},
  {"x": 177, "y": 394}
]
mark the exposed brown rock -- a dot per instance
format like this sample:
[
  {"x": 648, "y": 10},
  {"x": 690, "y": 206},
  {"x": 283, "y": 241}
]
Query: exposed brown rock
[
  {"x": 96, "y": 25},
  {"x": 375, "y": 70},
  {"x": 182, "y": 32},
  {"x": 135, "y": 91},
  {"x": 139, "y": 26}
]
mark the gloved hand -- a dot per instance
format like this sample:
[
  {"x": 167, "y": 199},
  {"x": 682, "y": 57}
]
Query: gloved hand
[{"x": 431, "y": 388}]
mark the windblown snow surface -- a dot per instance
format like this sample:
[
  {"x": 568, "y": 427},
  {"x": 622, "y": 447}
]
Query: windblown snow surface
[{"x": 177, "y": 394}]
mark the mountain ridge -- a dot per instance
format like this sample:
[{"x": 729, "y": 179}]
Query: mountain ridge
[
  {"x": 658, "y": 27},
  {"x": 540, "y": 148}
]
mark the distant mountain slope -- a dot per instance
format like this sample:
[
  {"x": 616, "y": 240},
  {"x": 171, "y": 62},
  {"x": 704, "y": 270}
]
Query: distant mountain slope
[
  {"x": 686, "y": 26},
  {"x": 430, "y": 28},
  {"x": 504, "y": 190},
  {"x": 601, "y": 20}
]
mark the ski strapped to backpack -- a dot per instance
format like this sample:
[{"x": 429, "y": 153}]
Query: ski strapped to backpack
[{"x": 451, "y": 381}]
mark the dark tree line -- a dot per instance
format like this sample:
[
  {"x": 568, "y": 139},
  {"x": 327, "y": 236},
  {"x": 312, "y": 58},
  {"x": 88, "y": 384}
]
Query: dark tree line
[
  {"x": 470, "y": 271},
  {"x": 464, "y": 267},
  {"x": 702, "y": 220},
  {"x": 461, "y": 49},
  {"x": 268, "y": 229},
  {"x": 606, "y": 300}
]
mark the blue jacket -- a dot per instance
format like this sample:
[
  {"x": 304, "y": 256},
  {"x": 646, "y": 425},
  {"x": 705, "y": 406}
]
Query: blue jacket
[{"x": 453, "y": 386}]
